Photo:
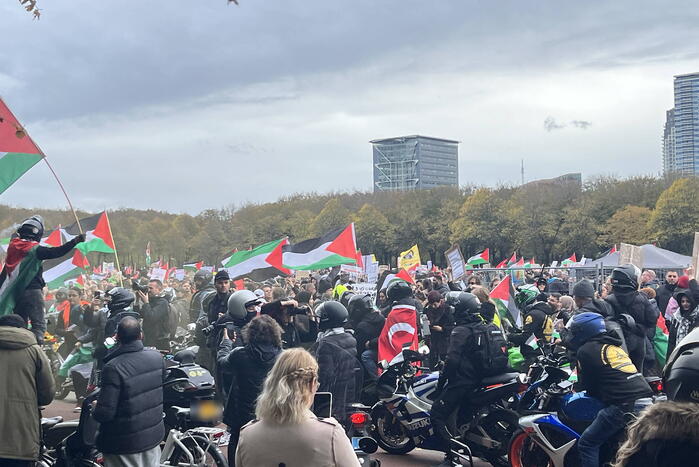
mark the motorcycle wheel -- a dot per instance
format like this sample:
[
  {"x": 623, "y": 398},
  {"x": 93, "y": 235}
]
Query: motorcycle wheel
[
  {"x": 523, "y": 452},
  {"x": 500, "y": 426},
  {"x": 389, "y": 433},
  {"x": 213, "y": 457},
  {"x": 62, "y": 391}
]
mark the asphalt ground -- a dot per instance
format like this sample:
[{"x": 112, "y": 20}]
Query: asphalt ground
[{"x": 417, "y": 457}]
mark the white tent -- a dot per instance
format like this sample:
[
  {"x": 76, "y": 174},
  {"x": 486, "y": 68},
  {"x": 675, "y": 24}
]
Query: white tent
[{"x": 652, "y": 257}]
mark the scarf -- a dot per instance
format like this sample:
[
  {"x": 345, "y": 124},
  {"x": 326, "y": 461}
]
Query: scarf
[{"x": 686, "y": 323}]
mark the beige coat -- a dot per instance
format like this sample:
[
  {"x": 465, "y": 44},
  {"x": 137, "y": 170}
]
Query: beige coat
[
  {"x": 26, "y": 383},
  {"x": 315, "y": 442}
]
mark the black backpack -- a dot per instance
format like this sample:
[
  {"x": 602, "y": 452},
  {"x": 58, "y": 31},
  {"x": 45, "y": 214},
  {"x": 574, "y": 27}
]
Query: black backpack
[{"x": 491, "y": 350}]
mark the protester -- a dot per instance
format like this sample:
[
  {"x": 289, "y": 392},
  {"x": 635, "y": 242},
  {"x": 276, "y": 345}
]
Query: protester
[
  {"x": 685, "y": 319},
  {"x": 664, "y": 293},
  {"x": 401, "y": 328},
  {"x": 283, "y": 417},
  {"x": 609, "y": 375},
  {"x": 649, "y": 279},
  {"x": 488, "y": 309},
  {"x": 538, "y": 325},
  {"x": 247, "y": 368},
  {"x": 26, "y": 384},
  {"x": 441, "y": 318},
  {"x": 24, "y": 296},
  {"x": 567, "y": 307},
  {"x": 129, "y": 407},
  {"x": 627, "y": 300},
  {"x": 367, "y": 323},
  {"x": 282, "y": 311},
  {"x": 155, "y": 311}
]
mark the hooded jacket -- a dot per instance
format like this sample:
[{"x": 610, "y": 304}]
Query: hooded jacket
[
  {"x": 607, "y": 373},
  {"x": 338, "y": 368},
  {"x": 683, "y": 321},
  {"x": 367, "y": 328},
  {"x": 246, "y": 369},
  {"x": 26, "y": 384}
]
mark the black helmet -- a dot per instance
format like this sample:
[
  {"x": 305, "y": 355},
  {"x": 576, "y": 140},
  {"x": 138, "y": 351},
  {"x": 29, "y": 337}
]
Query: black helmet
[
  {"x": 331, "y": 314},
  {"x": 32, "y": 228},
  {"x": 463, "y": 302},
  {"x": 625, "y": 277},
  {"x": 681, "y": 373},
  {"x": 201, "y": 278},
  {"x": 360, "y": 305},
  {"x": 185, "y": 357},
  {"x": 346, "y": 297},
  {"x": 398, "y": 289},
  {"x": 119, "y": 298}
]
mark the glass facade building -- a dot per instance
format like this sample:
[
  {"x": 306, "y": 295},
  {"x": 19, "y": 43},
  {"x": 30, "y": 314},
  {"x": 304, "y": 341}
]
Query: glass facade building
[
  {"x": 682, "y": 127},
  {"x": 414, "y": 163}
]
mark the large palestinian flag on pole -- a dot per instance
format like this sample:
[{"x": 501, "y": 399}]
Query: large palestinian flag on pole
[
  {"x": 98, "y": 235},
  {"x": 259, "y": 264},
  {"x": 332, "y": 249},
  {"x": 18, "y": 153},
  {"x": 504, "y": 297}
]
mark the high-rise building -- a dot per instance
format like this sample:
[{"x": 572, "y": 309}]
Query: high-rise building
[
  {"x": 669, "y": 142},
  {"x": 415, "y": 162},
  {"x": 682, "y": 127}
]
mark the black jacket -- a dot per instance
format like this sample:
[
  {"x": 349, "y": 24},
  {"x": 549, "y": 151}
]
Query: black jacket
[
  {"x": 537, "y": 321},
  {"x": 130, "y": 403},
  {"x": 443, "y": 317},
  {"x": 367, "y": 330},
  {"x": 598, "y": 306},
  {"x": 459, "y": 368},
  {"x": 47, "y": 252},
  {"x": 607, "y": 373},
  {"x": 337, "y": 370},
  {"x": 663, "y": 294},
  {"x": 246, "y": 369},
  {"x": 639, "y": 308},
  {"x": 156, "y": 321}
]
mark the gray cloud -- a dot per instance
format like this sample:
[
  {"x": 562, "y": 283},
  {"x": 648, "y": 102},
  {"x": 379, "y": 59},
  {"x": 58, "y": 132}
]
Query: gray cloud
[{"x": 138, "y": 102}]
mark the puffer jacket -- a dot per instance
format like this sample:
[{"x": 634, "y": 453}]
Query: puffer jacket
[
  {"x": 26, "y": 384},
  {"x": 336, "y": 352},
  {"x": 130, "y": 404}
]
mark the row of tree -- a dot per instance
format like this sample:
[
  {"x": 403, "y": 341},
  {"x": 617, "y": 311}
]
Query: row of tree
[{"x": 545, "y": 221}]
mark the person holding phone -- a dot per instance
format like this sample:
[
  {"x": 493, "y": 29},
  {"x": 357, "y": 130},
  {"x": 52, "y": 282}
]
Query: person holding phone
[{"x": 284, "y": 418}]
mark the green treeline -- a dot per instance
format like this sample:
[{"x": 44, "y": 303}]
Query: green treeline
[{"x": 542, "y": 220}]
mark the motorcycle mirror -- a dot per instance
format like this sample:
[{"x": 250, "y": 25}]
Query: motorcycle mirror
[{"x": 423, "y": 350}]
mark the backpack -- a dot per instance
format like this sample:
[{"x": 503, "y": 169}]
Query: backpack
[{"x": 491, "y": 350}]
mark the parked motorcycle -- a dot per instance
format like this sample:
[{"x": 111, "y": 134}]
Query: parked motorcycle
[{"x": 401, "y": 419}]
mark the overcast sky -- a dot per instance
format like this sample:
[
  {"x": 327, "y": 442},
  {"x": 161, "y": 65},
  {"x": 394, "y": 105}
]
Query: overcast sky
[{"x": 187, "y": 105}]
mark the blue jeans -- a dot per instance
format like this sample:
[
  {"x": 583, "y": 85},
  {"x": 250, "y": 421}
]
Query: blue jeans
[
  {"x": 370, "y": 364},
  {"x": 608, "y": 423}
]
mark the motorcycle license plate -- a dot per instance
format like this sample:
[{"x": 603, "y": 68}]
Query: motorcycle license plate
[
  {"x": 206, "y": 411},
  {"x": 355, "y": 442}
]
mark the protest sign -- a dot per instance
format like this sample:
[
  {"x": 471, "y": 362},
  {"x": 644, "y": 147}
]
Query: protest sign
[
  {"x": 695, "y": 254},
  {"x": 456, "y": 262},
  {"x": 631, "y": 254},
  {"x": 107, "y": 267}
]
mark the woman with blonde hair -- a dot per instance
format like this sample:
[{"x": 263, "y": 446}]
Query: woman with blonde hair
[{"x": 286, "y": 432}]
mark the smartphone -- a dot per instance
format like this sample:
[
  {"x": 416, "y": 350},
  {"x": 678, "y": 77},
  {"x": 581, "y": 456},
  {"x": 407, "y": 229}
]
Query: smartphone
[{"x": 322, "y": 404}]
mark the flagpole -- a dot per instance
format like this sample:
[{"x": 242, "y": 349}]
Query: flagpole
[
  {"x": 116, "y": 256},
  {"x": 63, "y": 190}
]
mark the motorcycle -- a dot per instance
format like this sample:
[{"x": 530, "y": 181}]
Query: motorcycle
[
  {"x": 401, "y": 419},
  {"x": 550, "y": 436}
]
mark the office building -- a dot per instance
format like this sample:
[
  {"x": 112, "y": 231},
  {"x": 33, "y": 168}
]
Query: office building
[
  {"x": 414, "y": 163},
  {"x": 681, "y": 134}
]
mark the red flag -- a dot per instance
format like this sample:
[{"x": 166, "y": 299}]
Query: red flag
[
  {"x": 199, "y": 265},
  {"x": 81, "y": 280},
  {"x": 400, "y": 330},
  {"x": 97, "y": 270},
  {"x": 403, "y": 274},
  {"x": 501, "y": 264},
  {"x": 513, "y": 259},
  {"x": 360, "y": 263},
  {"x": 612, "y": 250},
  {"x": 239, "y": 284}
]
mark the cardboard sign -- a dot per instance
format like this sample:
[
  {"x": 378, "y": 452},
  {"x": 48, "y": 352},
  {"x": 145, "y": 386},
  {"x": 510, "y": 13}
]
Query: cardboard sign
[
  {"x": 456, "y": 262},
  {"x": 631, "y": 254},
  {"x": 107, "y": 267}
]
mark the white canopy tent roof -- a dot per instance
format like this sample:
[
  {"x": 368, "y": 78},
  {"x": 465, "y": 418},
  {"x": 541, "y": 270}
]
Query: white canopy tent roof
[{"x": 652, "y": 257}]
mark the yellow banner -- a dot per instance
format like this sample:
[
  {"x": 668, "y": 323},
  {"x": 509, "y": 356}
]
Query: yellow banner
[{"x": 409, "y": 258}]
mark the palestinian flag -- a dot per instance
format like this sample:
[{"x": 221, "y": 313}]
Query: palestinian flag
[
  {"x": 513, "y": 259},
  {"x": 148, "y": 260},
  {"x": 532, "y": 342},
  {"x": 332, "y": 249},
  {"x": 4, "y": 243},
  {"x": 660, "y": 341},
  {"x": 21, "y": 265},
  {"x": 193, "y": 266},
  {"x": 568, "y": 261},
  {"x": 98, "y": 235},
  {"x": 502, "y": 264},
  {"x": 18, "y": 153},
  {"x": 259, "y": 264},
  {"x": 480, "y": 258},
  {"x": 58, "y": 271},
  {"x": 387, "y": 277},
  {"x": 504, "y": 297}
]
